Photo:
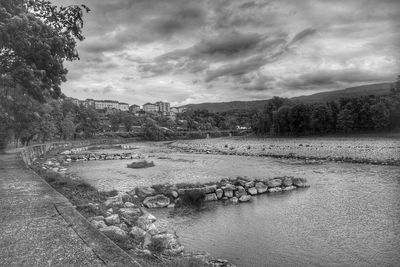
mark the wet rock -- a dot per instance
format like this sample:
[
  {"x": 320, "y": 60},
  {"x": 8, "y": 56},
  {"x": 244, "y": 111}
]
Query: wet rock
[
  {"x": 287, "y": 181},
  {"x": 171, "y": 206},
  {"x": 146, "y": 221},
  {"x": 137, "y": 233},
  {"x": 174, "y": 194},
  {"x": 145, "y": 191},
  {"x": 274, "y": 189},
  {"x": 274, "y": 182},
  {"x": 235, "y": 200},
  {"x": 152, "y": 229},
  {"x": 219, "y": 192},
  {"x": 288, "y": 188},
  {"x": 300, "y": 182},
  {"x": 96, "y": 218},
  {"x": 261, "y": 187},
  {"x": 169, "y": 243},
  {"x": 115, "y": 233},
  {"x": 124, "y": 227},
  {"x": 98, "y": 224},
  {"x": 240, "y": 191},
  {"x": 112, "y": 219},
  {"x": 211, "y": 197},
  {"x": 252, "y": 191},
  {"x": 245, "y": 198},
  {"x": 158, "y": 201},
  {"x": 249, "y": 184},
  {"x": 228, "y": 192}
]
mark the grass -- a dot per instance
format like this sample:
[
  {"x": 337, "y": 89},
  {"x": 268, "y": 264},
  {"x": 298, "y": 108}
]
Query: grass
[{"x": 141, "y": 164}]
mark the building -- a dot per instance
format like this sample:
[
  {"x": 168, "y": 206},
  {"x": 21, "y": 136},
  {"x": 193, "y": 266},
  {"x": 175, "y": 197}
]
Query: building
[
  {"x": 177, "y": 110},
  {"x": 163, "y": 107},
  {"x": 106, "y": 104},
  {"x": 134, "y": 108},
  {"x": 123, "y": 106},
  {"x": 149, "y": 107}
]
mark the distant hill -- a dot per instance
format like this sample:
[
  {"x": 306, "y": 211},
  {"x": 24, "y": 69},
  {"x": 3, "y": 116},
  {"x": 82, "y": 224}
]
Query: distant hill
[{"x": 364, "y": 90}]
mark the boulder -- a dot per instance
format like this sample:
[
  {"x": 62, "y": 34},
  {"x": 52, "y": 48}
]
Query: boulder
[
  {"x": 98, "y": 224},
  {"x": 174, "y": 194},
  {"x": 144, "y": 191},
  {"x": 245, "y": 198},
  {"x": 249, "y": 184},
  {"x": 287, "y": 181},
  {"x": 96, "y": 218},
  {"x": 240, "y": 191},
  {"x": 261, "y": 187},
  {"x": 130, "y": 215},
  {"x": 168, "y": 243},
  {"x": 146, "y": 221},
  {"x": 112, "y": 219},
  {"x": 274, "y": 189},
  {"x": 152, "y": 229},
  {"x": 252, "y": 191},
  {"x": 115, "y": 233},
  {"x": 130, "y": 205},
  {"x": 219, "y": 192},
  {"x": 274, "y": 182},
  {"x": 114, "y": 201},
  {"x": 300, "y": 182},
  {"x": 235, "y": 200},
  {"x": 158, "y": 201},
  {"x": 288, "y": 188},
  {"x": 209, "y": 189},
  {"x": 137, "y": 233},
  {"x": 171, "y": 206},
  {"x": 211, "y": 197},
  {"x": 124, "y": 227},
  {"x": 228, "y": 190}
]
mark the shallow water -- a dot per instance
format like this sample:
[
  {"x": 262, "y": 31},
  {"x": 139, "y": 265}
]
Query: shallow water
[{"x": 350, "y": 216}]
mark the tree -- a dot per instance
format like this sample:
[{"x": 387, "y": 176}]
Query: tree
[
  {"x": 320, "y": 119},
  {"x": 345, "y": 121},
  {"x": 68, "y": 126},
  {"x": 36, "y": 37},
  {"x": 300, "y": 119},
  {"x": 380, "y": 116}
]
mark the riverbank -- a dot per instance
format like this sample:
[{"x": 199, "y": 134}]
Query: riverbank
[{"x": 365, "y": 150}]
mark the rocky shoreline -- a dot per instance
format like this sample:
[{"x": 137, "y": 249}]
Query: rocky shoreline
[
  {"x": 257, "y": 152},
  {"x": 125, "y": 217}
]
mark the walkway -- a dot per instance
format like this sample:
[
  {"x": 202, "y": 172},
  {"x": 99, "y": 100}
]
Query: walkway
[{"x": 39, "y": 227}]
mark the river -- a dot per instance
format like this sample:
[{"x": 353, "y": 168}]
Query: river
[{"x": 350, "y": 216}]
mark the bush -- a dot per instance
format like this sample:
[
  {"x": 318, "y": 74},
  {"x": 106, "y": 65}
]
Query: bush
[
  {"x": 141, "y": 164},
  {"x": 192, "y": 197}
]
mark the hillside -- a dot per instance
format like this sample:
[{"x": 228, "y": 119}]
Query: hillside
[{"x": 364, "y": 90}]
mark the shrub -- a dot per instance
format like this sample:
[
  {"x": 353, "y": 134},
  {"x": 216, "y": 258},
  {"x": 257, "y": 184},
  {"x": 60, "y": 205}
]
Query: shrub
[
  {"x": 141, "y": 164},
  {"x": 192, "y": 197}
]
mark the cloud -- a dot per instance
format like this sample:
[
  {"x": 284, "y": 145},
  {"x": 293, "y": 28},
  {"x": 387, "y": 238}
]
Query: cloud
[{"x": 302, "y": 35}]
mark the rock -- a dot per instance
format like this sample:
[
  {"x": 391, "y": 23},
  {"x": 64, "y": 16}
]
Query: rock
[
  {"x": 145, "y": 191},
  {"x": 287, "y": 181},
  {"x": 252, "y": 191},
  {"x": 288, "y": 188},
  {"x": 130, "y": 215},
  {"x": 228, "y": 192},
  {"x": 171, "y": 206},
  {"x": 261, "y": 187},
  {"x": 137, "y": 233},
  {"x": 98, "y": 224},
  {"x": 130, "y": 205},
  {"x": 114, "y": 201},
  {"x": 96, "y": 218},
  {"x": 274, "y": 189},
  {"x": 124, "y": 227},
  {"x": 219, "y": 192},
  {"x": 112, "y": 219},
  {"x": 209, "y": 189},
  {"x": 274, "y": 182},
  {"x": 245, "y": 198},
  {"x": 240, "y": 191},
  {"x": 174, "y": 194},
  {"x": 145, "y": 221},
  {"x": 168, "y": 243},
  {"x": 152, "y": 229},
  {"x": 211, "y": 197},
  {"x": 115, "y": 233},
  {"x": 249, "y": 184},
  {"x": 235, "y": 200},
  {"x": 158, "y": 201},
  {"x": 300, "y": 182}
]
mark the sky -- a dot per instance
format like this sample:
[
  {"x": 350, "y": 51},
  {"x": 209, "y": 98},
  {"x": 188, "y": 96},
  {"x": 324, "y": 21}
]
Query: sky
[{"x": 195, "y": 51}]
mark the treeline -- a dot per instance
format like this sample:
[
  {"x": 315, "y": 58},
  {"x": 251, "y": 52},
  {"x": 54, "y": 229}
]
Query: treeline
[{"x": 282, "y": 117}]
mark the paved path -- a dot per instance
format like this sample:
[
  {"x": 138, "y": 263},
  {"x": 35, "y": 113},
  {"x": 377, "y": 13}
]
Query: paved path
[{"x": 39, "y": 227}]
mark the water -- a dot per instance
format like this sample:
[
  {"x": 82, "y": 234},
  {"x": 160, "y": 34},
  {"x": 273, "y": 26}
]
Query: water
[{"x": 350, "y": 216}]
